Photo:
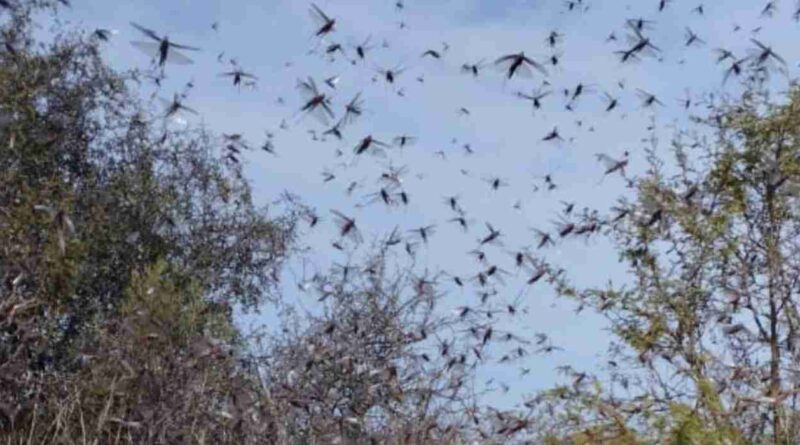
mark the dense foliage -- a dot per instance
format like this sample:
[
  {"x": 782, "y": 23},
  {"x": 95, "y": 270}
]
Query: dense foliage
[
  {"x": 125, "y": 246},
  {"x": 706, "y": 329}
]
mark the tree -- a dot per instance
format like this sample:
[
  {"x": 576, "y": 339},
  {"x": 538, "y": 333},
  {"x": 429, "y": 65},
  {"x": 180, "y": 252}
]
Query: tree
[
  {"x": 706, "y": 328},
  {"x": 98, "y": 198},
  {"x": 379, "y": 364}
]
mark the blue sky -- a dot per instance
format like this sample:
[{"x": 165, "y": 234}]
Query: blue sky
[{"x": 506, "y": 135}]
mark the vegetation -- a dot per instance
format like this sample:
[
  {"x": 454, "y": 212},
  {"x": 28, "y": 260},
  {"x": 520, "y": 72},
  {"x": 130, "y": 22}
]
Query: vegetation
[
  {"x": 126, "y": 245},
  {"x": 706, "y": 329}
]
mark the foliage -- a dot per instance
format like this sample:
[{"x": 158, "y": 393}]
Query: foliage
[
  {"x": 368, "y": 368},
  {"x": 706, "y": 328},
  {"x": 125, "y": 246}
]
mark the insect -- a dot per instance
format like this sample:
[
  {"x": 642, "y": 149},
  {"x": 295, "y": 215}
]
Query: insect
[
  {"x": 648, "y": 99},
  {"x": 390, "y": 74},
  {"x": 104, "y": 34},
  {"x": 318, "y": 104},
  {"x": 611, "y": 102},
  {"x": 347, "y": 226},
  {"x": 424, "y": 233},
  {"x": 176, "y": 106},
  {"x": 452, "y": 203},
  {"x": 352, "y": 110},
  {"x": 335, "y": 131},
  {"x": 613, "y": 165},
  {"x": 554, "y": 38},
  {"x": 764, "y": 54},
  {"x": 535, "y": 98},
  {"x": 404, "y": 141},
  {"x": 640, "y": 44},
  {"x": 325, "y": 24},
  {"x": 393, "y": 176},
  {"x": 553, "y": 136},
  {"x": 162, "y": 49},
  {"x": 493, "y": 236},
  {"x": 564, "y": 227},
  {"x": 362, "y": 49},
  {"x": 432, "y": 53},
  {"x": 735, "y": 68},
  {"x": 238, "y": 74},
  {"x": 367, "y": 143},
  {"x": 692, "y": 38},
  {"x": 382, "y": 195},
  {"x": 519, "y": 64},
  {"x": 544, "y": 239},
  {"x": 461, "y": 220},
  {"x": 331, "y": 82},
  {"x": 473, "y": 68},
  {"x": 496, "y": 182}
]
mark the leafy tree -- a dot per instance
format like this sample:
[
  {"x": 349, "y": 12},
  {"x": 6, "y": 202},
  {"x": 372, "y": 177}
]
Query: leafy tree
[
  {"x": 379, "y": 364},
  {"x": 706, "y": 328},
  {"x": 98, "y": 198}
]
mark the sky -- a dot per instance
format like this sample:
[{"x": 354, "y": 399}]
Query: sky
[{"x": 274, "y": 39}]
